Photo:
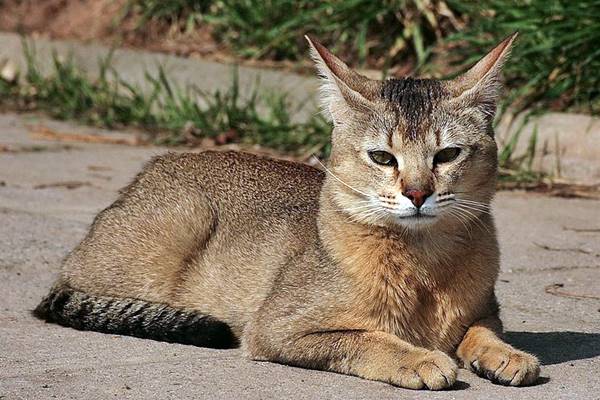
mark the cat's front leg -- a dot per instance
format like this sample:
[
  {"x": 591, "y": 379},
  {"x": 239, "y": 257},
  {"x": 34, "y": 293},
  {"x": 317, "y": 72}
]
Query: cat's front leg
[
  {"x": 367, "y": 354},
  {"x": 483, "y": 352}
]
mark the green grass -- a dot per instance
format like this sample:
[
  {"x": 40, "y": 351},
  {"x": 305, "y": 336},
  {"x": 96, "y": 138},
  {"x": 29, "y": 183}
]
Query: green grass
[
  {"x": 556, "y": 59},
  {"x": 175, "y": 116},
  {"x": 67, "y": 93},
  {"x": 185, "y": 13},
  {"x": 554, "y": 65},
  {"x": 384, "y": 32}
]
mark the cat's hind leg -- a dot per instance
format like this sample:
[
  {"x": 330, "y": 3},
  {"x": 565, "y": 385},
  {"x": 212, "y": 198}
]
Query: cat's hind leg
[
  {"x": 141, "y": 245},
  {"x": 124, "y": 276}
]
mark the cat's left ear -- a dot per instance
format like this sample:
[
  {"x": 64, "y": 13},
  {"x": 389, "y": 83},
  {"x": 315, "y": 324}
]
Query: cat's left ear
[
  {"x": 481, "y": 85},
  {"x": 343, "y": 90}
]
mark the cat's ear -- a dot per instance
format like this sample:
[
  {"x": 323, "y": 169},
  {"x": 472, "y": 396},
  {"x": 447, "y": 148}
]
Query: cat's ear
[
  {"x": 342, "y": 89},
  {"x": 481, "y": 85}
]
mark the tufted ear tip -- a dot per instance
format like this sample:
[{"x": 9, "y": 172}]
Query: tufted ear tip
[
  {"x": 486, "y": 70},
  {"x": 508, "y": 41},
  {"x": 511, "y": 38},
  {"x": 310, "y": 38},
  {"x": 502, "y": 50},
  {"x": 342, "y": 89},
  {"x": 321, "y": 54},
  {"x": 317, "y": 46},
  {"x": 481, "y": 84}
]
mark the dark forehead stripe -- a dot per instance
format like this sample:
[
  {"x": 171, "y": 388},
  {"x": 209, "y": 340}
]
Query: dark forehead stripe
[{"x": 413, "y": 99}]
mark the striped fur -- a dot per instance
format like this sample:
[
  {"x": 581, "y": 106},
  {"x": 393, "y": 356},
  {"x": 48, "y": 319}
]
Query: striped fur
[
  {"x": 414, "y": 101},
  {"x": 132, "y": 317}
]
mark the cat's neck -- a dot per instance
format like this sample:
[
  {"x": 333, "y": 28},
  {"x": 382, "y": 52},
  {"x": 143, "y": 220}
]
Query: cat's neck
[{"x": 362, "y": 247}]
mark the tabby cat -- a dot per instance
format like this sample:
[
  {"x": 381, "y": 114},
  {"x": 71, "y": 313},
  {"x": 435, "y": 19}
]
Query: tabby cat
[{"x": 382, "y": 267}]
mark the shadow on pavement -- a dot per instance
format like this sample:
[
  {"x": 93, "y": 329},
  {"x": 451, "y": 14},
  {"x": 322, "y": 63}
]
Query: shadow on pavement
[{"x": 556, "y": 347}]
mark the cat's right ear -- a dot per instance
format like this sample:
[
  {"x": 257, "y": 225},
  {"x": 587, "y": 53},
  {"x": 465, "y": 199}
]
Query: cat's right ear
[
  {"x": 480, "y": 86},
  {"x": 342, "y": 90}
]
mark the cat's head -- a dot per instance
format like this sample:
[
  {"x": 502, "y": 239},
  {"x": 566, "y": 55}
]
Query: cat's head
[{"x": 411, "y": 152}]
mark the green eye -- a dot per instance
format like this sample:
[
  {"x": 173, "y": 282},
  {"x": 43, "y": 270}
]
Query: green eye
[
  {"x": 446, "y": 155},
  {"x": 382, "y": 158}
]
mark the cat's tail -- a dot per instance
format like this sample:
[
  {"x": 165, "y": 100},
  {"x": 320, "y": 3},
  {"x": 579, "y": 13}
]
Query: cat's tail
[{"x": 124, "y": 316}]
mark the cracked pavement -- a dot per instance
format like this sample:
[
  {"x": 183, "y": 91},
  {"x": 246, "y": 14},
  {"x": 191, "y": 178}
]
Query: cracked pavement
[{"x": 549, "y": 289}]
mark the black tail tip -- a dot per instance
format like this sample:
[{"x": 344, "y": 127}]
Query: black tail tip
[
  {"x": 39, "y": 313},
  {"x": 51, "y": 303},
  {"x": 42, "y": 311}
]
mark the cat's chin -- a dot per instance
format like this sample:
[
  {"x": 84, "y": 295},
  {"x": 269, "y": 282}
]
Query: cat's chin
[
  {"x": 417, "y": 221},
  {"x": 414, "y": 222}
]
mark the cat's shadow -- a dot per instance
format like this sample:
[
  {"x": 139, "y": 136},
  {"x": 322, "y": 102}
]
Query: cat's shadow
[{"x": 556, "y": 347}]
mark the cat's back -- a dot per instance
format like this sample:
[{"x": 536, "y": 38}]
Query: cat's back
[{"x": 237, "y": 180}]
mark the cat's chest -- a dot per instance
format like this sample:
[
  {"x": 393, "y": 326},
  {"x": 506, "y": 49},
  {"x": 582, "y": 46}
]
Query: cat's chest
[
  {"x": 427, "y": 294},
  {"x": 428, "y": 311}
]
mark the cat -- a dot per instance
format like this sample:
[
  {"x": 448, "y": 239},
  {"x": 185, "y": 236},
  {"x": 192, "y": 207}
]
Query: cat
[{"x": 382, "y": 266}]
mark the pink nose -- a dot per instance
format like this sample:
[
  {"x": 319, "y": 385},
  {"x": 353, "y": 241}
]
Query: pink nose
[{"x": 417, "y": 196}]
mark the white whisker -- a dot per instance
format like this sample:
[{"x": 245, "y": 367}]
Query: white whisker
[
  {"x": 339, "y": 180},
  {"x": 461, "y": 219},
  {"x": 473, "y": 217},
  {"x": 356, "y": 208},
  {"x": 474, "y": 208},
  {"x": 474, "y": 203}
]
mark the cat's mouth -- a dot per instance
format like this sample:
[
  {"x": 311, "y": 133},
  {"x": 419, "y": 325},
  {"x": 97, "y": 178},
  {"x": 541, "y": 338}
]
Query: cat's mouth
[
  {"x": 418, "y": 215},
  {"x": 413, "y": 215}
]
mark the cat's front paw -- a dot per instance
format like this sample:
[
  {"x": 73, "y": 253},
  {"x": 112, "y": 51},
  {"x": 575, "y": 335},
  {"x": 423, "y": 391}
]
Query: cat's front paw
[
  {"x": 432, "y": 370},
  {"x": 505, "y": 365}
]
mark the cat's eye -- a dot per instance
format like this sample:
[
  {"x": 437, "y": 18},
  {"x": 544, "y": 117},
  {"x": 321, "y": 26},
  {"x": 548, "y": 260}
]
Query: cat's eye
[
  {"x": 382, "y": 158},
  {"x": 446, "y": 155}
]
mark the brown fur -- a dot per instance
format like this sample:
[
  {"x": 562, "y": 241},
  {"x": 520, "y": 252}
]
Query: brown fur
[{"x": 289, "y": 260}]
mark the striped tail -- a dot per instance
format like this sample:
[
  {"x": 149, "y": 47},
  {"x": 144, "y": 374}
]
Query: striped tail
[{"x": 69, "y": 307}]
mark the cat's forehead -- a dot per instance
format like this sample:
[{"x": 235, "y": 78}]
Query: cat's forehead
[{"x": 413, "y": 101}]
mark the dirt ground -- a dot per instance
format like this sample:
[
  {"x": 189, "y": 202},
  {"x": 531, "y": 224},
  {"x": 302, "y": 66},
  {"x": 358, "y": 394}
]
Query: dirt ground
[
  {"x": 103, "y": 20},
  {"x": 85, "y": 19}
]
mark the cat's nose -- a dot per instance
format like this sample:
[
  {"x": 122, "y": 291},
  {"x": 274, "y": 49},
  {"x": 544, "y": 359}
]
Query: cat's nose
[{"x": 417, "y": 196}]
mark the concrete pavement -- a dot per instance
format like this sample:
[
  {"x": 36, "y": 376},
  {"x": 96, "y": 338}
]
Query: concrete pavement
[{"x": 50, "y": 191}]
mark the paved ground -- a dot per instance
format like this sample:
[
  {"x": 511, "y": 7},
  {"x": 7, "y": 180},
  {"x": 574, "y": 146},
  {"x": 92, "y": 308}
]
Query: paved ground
[{"x": 545, "y": 241}]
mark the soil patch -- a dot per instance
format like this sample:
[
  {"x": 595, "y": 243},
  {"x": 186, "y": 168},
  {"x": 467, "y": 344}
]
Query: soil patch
[{"x": 104, "y": 21}]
